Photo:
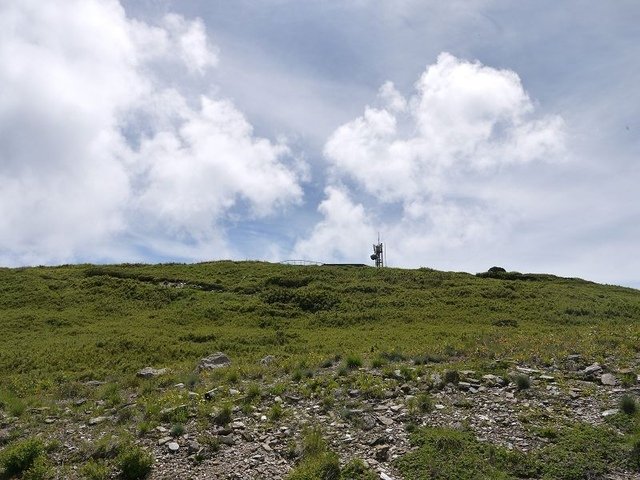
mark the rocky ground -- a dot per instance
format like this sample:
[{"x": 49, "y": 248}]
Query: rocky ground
[{"x": 364, "y": 413}]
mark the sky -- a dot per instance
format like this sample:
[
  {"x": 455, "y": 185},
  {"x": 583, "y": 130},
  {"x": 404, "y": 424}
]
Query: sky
[{"x": 467, "y": 134}]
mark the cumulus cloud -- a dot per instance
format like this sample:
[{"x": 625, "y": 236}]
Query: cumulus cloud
[
  {"x": 343, "y": 232},
  {"x": 436, "y": 156},
  {"x": 95, "y": 144}
]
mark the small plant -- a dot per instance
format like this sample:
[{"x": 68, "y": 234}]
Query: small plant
[
  {"x": 14, "y": 405},
  {"x": 424, "y": 402},
  {"x": 253, "y": 393},
  {"x": 357, "y": 470},
  {"x": 634, "y": 454},
  {"x": 628, "y": 404},
  {"x": 134, "y": 462},
  {"x": 211, "y": 442},
  {"x": 144, "y": 428},
  {"x": 177, "y": 430},
  {"x": 20, "y": 456},
  {"x": 324, "y": 466},
  {"x": 522, "y": 381},
  {"x": 111, "y": 395},
  {"x": 378, "y": 362},
  {"x": 352, "y": 362},
  {"x": 222, "y": 416},
  {"x": 313, "y": 443},
  {"x": 276, "y": 412},
  {"x": 93, "y": 470},
  {"x": 451, "y": 376}
]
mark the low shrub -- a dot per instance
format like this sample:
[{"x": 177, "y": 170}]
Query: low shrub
[
  {"x": 93, "y": 470},
  {"x": 522, "y": 381},
  {"x": 352, "y": 362},
  {"x": 134, "y": 462},
  {"x": 20, "y": 456},
  {"x": 628, "y": 404}
]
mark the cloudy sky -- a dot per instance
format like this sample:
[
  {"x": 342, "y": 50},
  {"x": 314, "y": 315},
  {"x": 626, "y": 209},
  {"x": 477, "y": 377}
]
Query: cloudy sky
[{"x": 468, "y": 133}]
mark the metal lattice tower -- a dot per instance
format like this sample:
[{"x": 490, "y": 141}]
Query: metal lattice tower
[{"x": 378, "y": 253}]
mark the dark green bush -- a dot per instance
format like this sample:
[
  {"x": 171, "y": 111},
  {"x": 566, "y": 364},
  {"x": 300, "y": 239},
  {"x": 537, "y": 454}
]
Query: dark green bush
[
  {"x": 357, "y": 470},
  {"x": 134, "y": 462},
  {"x": 20, "y": 456},
  {"x": 628, "y": 404}
]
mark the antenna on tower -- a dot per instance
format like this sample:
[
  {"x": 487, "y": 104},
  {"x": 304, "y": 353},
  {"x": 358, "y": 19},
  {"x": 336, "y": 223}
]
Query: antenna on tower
[{"x": 378, "y": 253}]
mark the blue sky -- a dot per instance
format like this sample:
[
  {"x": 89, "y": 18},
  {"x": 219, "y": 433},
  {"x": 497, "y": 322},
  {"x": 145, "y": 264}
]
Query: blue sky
[{"x": 469, "y": 134}]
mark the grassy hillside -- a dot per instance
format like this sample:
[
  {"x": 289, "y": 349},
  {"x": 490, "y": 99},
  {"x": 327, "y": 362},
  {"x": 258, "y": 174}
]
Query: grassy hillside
[
  {"x": 73, "y": 338},
  {"x": 88, "y": 322}
]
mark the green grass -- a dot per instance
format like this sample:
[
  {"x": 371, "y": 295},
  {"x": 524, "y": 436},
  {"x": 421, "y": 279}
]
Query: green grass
[
  {"x": 63, "y": 326},
  {"x": 76, "y": 323},
  {"x": 576, "y": 453}
]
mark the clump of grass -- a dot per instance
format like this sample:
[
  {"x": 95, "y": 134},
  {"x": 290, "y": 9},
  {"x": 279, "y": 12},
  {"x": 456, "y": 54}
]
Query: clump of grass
[
  {"x": 451, "y": 376},
  {"x": 425, "y": 402},
  {"x": 134, "y": 463},
  {"x": 222, "y": 416},
  {"x": 317, "y": 461},
  {"x": 253, "y": 393},
  {"x": 11, "y": 403},
  {"x": 378, "y": 362},
  {"x": 393, "y": 356},
  {"x": 111, "y": 395},
  {"x": 21, "y": 457},
  {"x": 357, "y": 470},
  {"x": 93, "y": 470},
  {"x": 313, "y": 443},
  {"x": 628, "y": 404},
  {"x": 144, "y": 428},
  {"x": 522, "y": 381},
  {"x": 276, "y": 412},
  {"x": 177, "y": 430},
  {"x": 352, "y": 362}
]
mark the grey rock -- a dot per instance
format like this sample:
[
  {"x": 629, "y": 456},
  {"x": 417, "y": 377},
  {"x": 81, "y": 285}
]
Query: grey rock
[
  {"x": 368, "y": 422},
  {"x": 382, "y": 453},
  {"x": 268, "y": 360},
  {"x": 608, "y": 379},
  {"x": 493, "y": 380},
  {"x": 173, "y": 447},
  {"x": 384, "y": 476},
  {"x": 94, "y": 383},
  {"x": 226, "y": 439},
  {"x": 150, "y": 372},
  {"x": 592, "y": 369},
  {"x": 169, "y": 410},
  {"x": 210, "y": 394},
  {"x": 608, "y": 413},
  {"x": 213, "y": 361},
  {"x": 164, "y": 440},
  {"x": 97, "y": 420},
  {"x": 386, "y": 421}
]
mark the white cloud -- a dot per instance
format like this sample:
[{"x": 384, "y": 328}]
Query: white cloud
[
  {"x": 432, "y": 165},
  {"x": 95, "y": 144},
  {"x": 343, "y": 233}
]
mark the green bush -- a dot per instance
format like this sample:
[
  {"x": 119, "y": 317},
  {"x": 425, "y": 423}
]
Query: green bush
[
  {"x": 134, "y": 462},
  {"x": 93, "y": 470},
  {"x": 357, "y": 470},
  {"x": 177, "y": 430},
  {"x": 223, "y": 415},
  {"x": 20, "y": 456},
  {"x": 324, "y": 466},
  {"x": 522, "y": 381},
  {"x": 352, "y": 362},
  {"x": 628, "y": 404},
  {"x": 14, "y": 405}
]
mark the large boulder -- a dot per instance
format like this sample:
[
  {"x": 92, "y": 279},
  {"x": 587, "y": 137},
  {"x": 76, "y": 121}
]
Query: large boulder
[{"x": 213, "y": 361}]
